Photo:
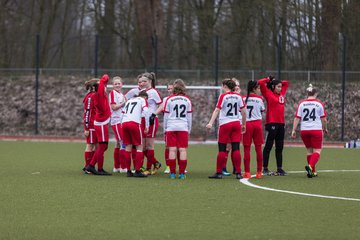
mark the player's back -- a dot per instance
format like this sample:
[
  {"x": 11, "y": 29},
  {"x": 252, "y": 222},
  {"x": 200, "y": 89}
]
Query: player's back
[
  {"x": 310, "y": 112},
  {"x": 177, "y": 108},
  {"x": 133, "y": 109},
  {"x": 254, "y": 107}
]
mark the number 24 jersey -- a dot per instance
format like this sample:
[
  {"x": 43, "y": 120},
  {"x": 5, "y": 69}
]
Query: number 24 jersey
[{"x": 310, "y": 112}]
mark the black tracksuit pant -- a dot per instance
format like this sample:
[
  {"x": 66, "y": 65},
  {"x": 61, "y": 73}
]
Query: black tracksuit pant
[{"x": 274, "y": 131}]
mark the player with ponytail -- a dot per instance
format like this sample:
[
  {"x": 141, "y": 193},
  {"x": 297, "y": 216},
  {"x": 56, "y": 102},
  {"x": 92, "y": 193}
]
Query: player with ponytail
[{"x": 311, "y": 115}]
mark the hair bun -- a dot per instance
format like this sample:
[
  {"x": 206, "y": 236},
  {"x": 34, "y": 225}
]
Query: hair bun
[{"x": 310, "y": 88}]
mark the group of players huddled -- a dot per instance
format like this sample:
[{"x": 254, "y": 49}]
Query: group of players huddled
[{"x": 133, "y": 119}]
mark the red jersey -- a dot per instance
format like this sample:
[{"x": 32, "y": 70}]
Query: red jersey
[
  {"x": 101, "y": 102},
  {"x": 89, "y": 111},
  {"x": 275, "y": 102}
]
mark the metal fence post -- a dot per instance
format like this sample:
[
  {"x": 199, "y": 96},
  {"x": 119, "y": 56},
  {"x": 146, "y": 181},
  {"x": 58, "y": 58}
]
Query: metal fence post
[
  {"x": 155, "y": 52},
  {"x": 37, "y": 71},
  {"x": 96, "y": 55},
  {"x": 343, "y": 87},
  {"x": 279, "y": 58}
]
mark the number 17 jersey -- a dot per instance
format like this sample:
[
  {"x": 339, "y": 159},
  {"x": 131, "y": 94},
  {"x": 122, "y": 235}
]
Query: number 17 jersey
[
  {"x": 310, "y": 112},
  {"x": 230, "y": 105}
]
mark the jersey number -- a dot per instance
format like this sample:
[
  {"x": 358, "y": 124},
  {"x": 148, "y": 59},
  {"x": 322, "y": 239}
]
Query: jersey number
[
  {"x": 232, "y": 108},
  {"x": 128, "y": 105},
  {"x": 180, "y": 109},
  {"x": 309, "y": 115},
  {"x": 250, "y": 108}
]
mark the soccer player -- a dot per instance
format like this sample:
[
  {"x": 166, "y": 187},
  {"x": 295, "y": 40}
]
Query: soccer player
[
  {"x": 134, "y": 109},
  {"x": 228, "y": 145},
  {"x": 254, "y": 108},
  {"x": 154, "y": 100},
  {"x": 178, "y": 124},
  {"x": 229, "y": 106},
  {"x": 274, "y": 91},
  {"x": 88, "y": 119},
  {"x": 102, "y": 119},
  {"x": 170, "y": 88},
  {"x": 117, "y": 101},
  {"x": 312, "y": 116}
]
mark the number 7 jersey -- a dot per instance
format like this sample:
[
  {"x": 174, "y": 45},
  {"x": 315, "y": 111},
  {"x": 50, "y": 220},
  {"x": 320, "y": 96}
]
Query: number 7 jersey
[
  {"x": 310, "y": 111},
  {"x": 230, "y": 105}
]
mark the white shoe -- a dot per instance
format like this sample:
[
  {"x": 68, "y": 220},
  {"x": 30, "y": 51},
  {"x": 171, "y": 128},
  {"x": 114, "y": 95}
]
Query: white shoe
[
  {"x": 167, "y": 170},
  {"x": 116, "y": 170},
  {"x": 123, "y": 170}
]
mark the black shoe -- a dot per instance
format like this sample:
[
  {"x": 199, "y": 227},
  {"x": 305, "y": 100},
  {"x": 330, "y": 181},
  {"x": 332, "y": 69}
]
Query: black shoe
[
  {"x": 309, "y": 171},
  {"x": 234, "y": 171},
  {"x": 129, "y": 173},
  {"x": 91, "y": 169},
  {"x": 267, "y": 172},
  {"x": 104, "y": 173},
  {"x": 139, "y": 174},
  {"x": 216, "y": 176},
  {"x": 238, "y": 176},
  {"x": 280, "y": 172}
]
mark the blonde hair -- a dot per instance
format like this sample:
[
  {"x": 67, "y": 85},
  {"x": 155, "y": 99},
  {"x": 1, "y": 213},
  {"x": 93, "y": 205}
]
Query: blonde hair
[{"x": 117, "y": 78}]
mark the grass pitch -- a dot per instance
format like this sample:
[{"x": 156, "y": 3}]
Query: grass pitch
[{"x": 44, "y": 195}]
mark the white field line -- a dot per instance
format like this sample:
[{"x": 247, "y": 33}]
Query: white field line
[{"x": 248, "y": 183}]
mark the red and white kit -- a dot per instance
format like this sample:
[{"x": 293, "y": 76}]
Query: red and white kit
[
  {"x": 310, "y": 112},
  {"x": 178, "y": 120},
  {"x": 154, "y": 99},
  {"x": 133, "y": 110},
  {"x": 89, "y": 117},
  {"x": 230, "y": 105},
  {"x": 254, "y": 109},
  {"x": 116, "y": 115}
]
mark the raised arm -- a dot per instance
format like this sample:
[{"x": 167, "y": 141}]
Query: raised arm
[{"x": 263, "y": 88}]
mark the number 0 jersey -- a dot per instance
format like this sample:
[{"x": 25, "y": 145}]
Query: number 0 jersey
[
  {"x": 178, "y": 110},
  {"x": 230, "y": 105},
  {"x": 310, "y": 111},
  {"x": 133, "y": 109},
  {"x": 254, "y": 107}
]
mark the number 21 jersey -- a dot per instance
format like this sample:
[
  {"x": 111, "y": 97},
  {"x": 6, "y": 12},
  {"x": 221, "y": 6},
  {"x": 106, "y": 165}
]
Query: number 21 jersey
[{"x": 230, "y": 105}]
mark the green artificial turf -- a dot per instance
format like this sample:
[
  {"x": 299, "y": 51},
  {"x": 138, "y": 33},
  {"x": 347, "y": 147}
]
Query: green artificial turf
[{"x": 45, "y": 195}]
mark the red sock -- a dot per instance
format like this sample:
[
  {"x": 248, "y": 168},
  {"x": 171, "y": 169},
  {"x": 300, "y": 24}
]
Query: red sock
[
  {"x": 236, "y": 160},
  {"x": 121, "y": 158},
  {"x": 225, "y": 159},
  {"x": 139, "y": 160},
  {"x": 127, "y": 160},
  {"x": 314, "y": 159},
  {"x": 133, "y": 153},
  {"x": 88, "y": 157},
  {"x": 102, "y": 148},
  {"x": 172, "y": 165},
  {"x": 116, "y": 158},
  {"x": 247, "y": 158},
  {"x": 167, "y": 156},
  {"x": 150, "y": 158},
  {"x": 182, "y": 166},
  {"x": 220, "y": 161},
  {"x": 259, "y": 158},
  {"x": 308, "y": 157}
]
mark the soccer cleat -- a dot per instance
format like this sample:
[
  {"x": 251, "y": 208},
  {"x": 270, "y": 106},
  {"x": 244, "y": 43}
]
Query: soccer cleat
[
  {"x": 129, "y": 173},
  {"x": 157, "y": 166},
  {"x": 172, "y": 176},
  {"x": 246, "y": 175},
  {"x": 315, "y": 174},
  {"x": 146, "y": 171},
  {"x": 309, "y": 171},
  {"x": 216, "y": 176},
  {"x": 139, "y": 174},
  {"x": 91, "y": 169},
  {"x": 102, "y": 172},
  {"x": 238, "y": 176},
  {"x": 258, "y": 175},
  {"x": 225, "y": 172},
  {"x": 182, "y": 176},
  {"x": 267, "y": 172},
  {"x": 117, "y": 170},
  {"x": 167, "y": 170},
  {"x": 280, "y": 172}
]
